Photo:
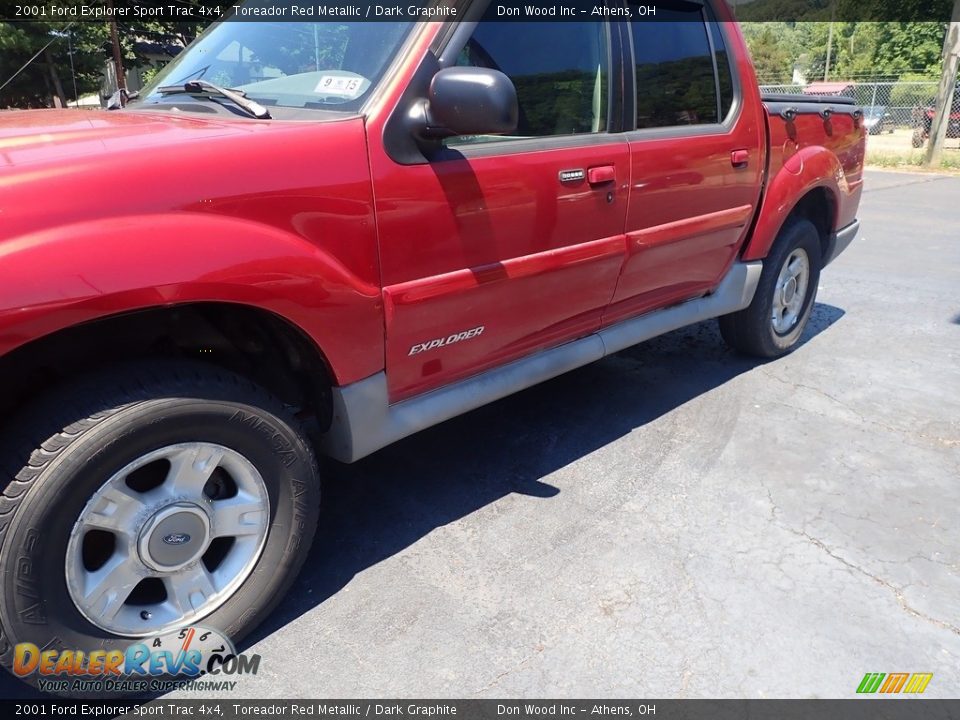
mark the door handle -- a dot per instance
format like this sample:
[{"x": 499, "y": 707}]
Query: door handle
[
  {"x": 740, "y": 158},
  {"x": 601, "y": 175}
]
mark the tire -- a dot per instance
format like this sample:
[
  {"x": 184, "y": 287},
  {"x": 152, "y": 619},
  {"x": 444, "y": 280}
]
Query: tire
[
  {"x": 77, "y": 444},
  {"x": 756, "y": 330}
]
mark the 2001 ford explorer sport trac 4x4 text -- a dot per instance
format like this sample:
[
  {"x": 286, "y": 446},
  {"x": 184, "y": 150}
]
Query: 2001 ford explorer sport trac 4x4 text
[{"x": 318, "y": 239}]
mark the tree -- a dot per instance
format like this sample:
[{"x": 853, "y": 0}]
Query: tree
[
  {"x": 909, "y": 47},
  {"x": 773, "y": 50},
  {"x": 860, "y": 50},
  {"x": 51, "y": 74}
]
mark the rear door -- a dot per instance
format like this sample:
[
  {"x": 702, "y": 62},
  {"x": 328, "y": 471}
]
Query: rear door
[
  {"x": 493, "y": 248},
  {"x": 696, "y": 156}
]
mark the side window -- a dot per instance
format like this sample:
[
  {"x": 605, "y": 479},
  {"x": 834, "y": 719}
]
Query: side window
[
  {"x": 559, "y": 69},
  {"x": 676, "y": 82},
  {"x": 724, "y": 75}
]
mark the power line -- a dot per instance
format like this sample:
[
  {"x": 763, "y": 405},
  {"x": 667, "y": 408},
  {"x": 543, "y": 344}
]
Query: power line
[
  {"x": 73, "y": 72},
  {"x": 35, "y": 56}
]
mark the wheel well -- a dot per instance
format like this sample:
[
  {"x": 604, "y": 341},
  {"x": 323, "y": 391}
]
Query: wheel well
[
  {"x": 249, "y": 341},
  {"x": 819, "y": 207}
]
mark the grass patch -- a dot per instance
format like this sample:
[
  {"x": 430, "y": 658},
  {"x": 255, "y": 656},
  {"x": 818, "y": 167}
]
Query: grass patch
[{"x": 913, "y": 160}]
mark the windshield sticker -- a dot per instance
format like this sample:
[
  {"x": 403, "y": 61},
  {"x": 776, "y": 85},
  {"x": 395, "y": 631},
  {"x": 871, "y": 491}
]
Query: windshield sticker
[{"x": 348, "y": 87}]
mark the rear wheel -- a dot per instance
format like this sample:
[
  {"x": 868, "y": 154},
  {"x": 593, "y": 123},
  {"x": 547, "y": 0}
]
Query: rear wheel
[
  {"x": 774, "y": 321},
  {"x": 149, "y": 500}
]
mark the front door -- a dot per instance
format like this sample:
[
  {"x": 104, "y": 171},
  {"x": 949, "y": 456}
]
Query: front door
[{"x": 498, "y": 247}]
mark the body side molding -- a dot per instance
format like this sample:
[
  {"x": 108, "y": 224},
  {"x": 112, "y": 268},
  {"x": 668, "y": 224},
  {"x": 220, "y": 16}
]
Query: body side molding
[{"x": 364, "y": 421}]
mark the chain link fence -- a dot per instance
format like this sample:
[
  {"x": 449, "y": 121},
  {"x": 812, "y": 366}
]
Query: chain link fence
[{"x": 897, "y": 114}]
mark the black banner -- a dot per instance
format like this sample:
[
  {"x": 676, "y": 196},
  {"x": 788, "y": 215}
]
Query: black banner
[
  {"x": 874, "y": 708},
  {"x": 446, "y": 10}
]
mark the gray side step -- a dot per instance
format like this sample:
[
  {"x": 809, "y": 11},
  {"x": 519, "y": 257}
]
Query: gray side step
[{"x": 364, "y": 421}]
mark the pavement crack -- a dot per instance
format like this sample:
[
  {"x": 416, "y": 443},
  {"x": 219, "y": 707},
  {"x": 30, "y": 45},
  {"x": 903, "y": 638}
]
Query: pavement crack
[
  {"x": 822, "y": 393},
  {"x": 496, "y": 680},
  {"x": 897, "y": 592},
  {"x": 864, "y": 420},
  {"x": 773, "y": 505}
]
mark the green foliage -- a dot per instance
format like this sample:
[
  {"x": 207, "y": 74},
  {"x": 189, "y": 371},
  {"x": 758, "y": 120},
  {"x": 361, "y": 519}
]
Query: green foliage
[
  {"x": 148, "y": 73},
  {"x": 774, "y": 48},
  {"x": 912, "y": 159},
  {"x": 912, "y": 90},
  {"x": 875, "y": 50},
  {"x": 50, "y": 74},
  {"x": 804, "y": 11},
  {"x": 910, "y": 47}
]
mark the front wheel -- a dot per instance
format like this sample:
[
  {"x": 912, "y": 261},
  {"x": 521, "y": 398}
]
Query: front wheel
[
  {"x": 148, "y": 500},
  {"x": 772, "y": 324}
]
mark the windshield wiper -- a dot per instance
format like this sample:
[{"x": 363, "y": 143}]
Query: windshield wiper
[{"x": 237, "y": 97}]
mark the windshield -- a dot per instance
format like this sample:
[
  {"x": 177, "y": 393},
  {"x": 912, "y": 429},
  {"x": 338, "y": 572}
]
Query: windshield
[{"x": 323, "y": 65}]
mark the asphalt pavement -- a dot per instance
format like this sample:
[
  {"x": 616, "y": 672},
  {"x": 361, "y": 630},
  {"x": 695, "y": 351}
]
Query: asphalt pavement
[{"x": 673, "y": 521}]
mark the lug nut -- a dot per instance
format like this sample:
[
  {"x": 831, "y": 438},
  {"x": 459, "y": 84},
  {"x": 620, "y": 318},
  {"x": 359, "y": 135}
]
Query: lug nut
[{"x": 146, "y": 615}]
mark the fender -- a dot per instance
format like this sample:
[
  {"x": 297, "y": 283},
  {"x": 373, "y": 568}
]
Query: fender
[
  {"x": 59, "y": 277},
  {"x": 810, "y": 168}
]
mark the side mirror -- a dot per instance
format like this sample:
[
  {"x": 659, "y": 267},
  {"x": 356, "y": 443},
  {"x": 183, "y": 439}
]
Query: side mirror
[
  {"x": 470, "y": 101},
  {"x": 116, "y": 101},
  {"x": 120, "y": 98}
]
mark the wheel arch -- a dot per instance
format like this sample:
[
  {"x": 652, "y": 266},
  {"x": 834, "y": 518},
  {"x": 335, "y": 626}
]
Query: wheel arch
[
  {"x": 808, "y": 186},
  {"x": 251, "y": 341},
  {"x": 89, "y": 271},
  {"x": 819, "y": 206}
]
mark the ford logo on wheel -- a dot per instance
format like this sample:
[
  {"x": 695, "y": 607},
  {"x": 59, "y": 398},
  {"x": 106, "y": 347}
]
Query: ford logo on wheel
[{"x": 176, "y": 538}]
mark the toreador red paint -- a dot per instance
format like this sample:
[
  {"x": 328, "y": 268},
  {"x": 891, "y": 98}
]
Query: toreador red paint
[{"x": 375, "y": 258}]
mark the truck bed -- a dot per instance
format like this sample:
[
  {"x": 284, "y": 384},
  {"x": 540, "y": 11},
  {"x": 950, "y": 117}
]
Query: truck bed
[{"x": 801, "y": 127}]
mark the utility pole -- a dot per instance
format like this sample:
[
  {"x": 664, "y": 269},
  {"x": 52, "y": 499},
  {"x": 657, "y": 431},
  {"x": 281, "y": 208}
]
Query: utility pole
[
  {"x": 826, "y": 67},
  {"x": 946, "y": 92},
  {"x": 118, "y": 57}
]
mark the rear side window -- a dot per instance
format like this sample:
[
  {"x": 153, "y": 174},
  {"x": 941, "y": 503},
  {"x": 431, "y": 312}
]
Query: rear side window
[
  {"x": 559, "y": 69},
  {"x": 677, "y": 83}
]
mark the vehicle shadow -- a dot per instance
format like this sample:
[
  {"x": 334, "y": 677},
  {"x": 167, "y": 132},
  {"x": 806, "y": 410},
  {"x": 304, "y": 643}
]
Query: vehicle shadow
[{"x": 378, "y": 506}]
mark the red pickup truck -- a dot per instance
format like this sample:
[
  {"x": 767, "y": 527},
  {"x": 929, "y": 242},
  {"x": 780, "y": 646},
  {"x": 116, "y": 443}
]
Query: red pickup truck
[{"x": 318, "y": 238}]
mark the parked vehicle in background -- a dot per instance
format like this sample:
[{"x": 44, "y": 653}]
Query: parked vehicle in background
[
  {"x": 877, "y": 120},
  {"x": 321, "y": 238}
]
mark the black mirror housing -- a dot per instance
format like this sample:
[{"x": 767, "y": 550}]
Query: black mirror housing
[{"x": 471, "y": 101}]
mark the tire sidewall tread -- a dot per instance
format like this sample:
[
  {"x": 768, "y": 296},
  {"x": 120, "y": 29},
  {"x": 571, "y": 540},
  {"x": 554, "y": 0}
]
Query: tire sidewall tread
[
  {"x": 69, "y": 423},
  {"x": 750, "y": 331}
]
